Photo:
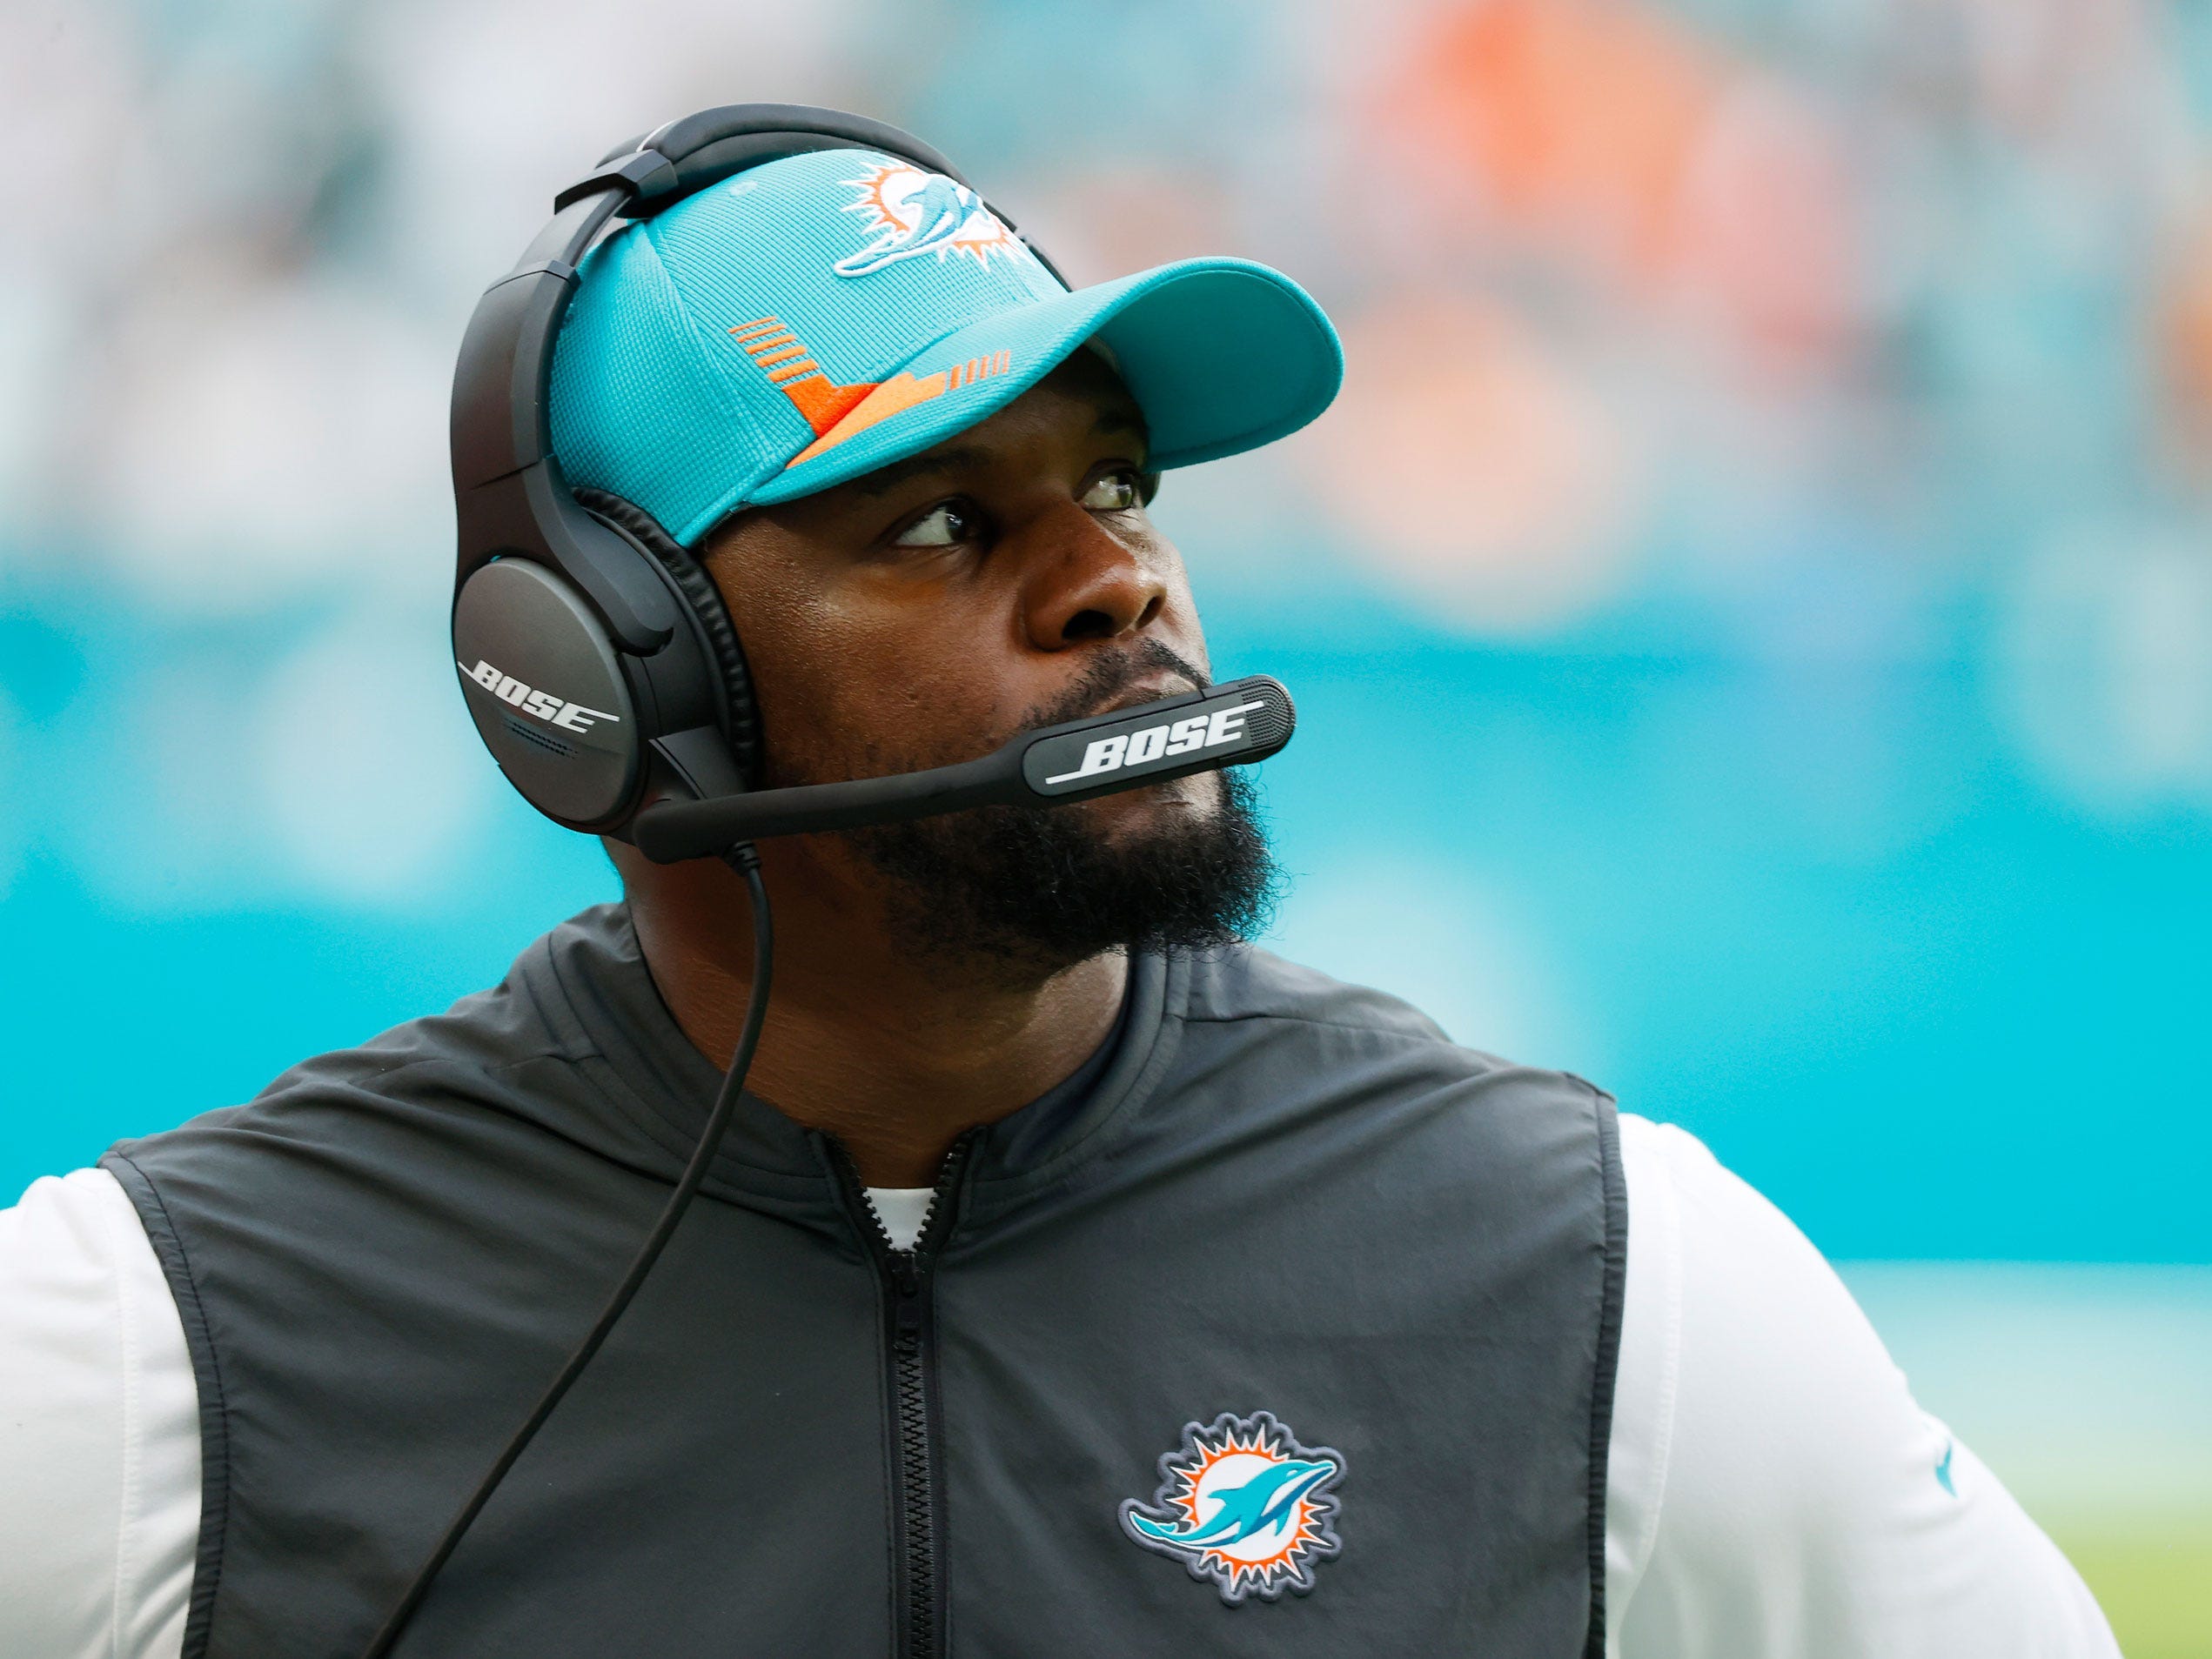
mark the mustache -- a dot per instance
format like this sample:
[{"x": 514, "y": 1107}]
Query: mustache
[{"x": 1108, "y": 678}]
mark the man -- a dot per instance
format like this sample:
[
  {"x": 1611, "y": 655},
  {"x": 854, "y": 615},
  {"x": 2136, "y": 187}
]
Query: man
[{"x": 1075, "y": 1279}]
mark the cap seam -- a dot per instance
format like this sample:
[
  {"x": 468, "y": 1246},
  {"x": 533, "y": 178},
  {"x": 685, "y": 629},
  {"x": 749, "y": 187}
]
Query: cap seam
[{"x": 726, "y": 394}]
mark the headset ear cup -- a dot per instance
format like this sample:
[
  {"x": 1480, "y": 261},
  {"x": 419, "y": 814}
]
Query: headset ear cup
[{"x": 706, "y": 602}]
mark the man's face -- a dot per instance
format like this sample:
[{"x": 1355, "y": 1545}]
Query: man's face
[{"x": 927, "y": 612}]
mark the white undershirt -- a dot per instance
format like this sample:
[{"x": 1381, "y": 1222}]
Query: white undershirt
[
  {"x": 902, "y": 1210},
  {"x": 1772, "y": 1493}
]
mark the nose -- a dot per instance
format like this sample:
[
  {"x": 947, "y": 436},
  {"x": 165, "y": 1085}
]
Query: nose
[{"x": 1083, "y": 582}]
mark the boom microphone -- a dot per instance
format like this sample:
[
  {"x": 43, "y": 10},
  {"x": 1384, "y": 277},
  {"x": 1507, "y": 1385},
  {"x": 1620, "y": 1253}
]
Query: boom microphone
[{"x": 1228, "y": 725}]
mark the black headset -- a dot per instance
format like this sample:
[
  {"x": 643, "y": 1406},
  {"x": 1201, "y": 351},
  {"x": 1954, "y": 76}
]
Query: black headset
[
  {"x": 598, "y": 661},
  {"x": 563, "y": 595}
]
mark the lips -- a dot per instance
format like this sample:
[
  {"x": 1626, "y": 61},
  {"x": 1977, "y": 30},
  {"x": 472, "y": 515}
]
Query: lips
[
  {"x": 1149, "y": 689},
  {"x": 1119, "y": 679}
]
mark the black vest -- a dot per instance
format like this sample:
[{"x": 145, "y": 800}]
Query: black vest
[{"x": 1286, "y": 1327}]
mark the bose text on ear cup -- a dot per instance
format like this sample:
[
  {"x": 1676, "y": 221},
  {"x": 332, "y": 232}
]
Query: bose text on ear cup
[{"x": 546, "y": 691}]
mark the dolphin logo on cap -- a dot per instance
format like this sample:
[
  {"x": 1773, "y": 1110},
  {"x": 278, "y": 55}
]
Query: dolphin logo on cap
[{"x": 912, "y": 213}]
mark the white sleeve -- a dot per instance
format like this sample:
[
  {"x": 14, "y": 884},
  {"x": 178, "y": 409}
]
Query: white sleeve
[
  {"x": 99, "y": 1432},
  {"x": 1773, "y": 1491}
]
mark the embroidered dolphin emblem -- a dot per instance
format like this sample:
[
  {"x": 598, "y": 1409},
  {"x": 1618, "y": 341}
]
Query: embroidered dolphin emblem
[
  {"x": 941, "y": 209},
  {"x": 1244, "y": 1507},
  {"x": 1265, "y": 1502}
]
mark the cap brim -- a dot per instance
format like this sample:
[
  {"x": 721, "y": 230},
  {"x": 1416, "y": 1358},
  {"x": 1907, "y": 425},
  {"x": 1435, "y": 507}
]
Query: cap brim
[{"x": 1222, "y": 355}]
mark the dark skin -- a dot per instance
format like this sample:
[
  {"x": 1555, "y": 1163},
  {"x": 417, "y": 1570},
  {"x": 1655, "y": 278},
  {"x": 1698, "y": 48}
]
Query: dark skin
[{"x": 912, "y": 618}]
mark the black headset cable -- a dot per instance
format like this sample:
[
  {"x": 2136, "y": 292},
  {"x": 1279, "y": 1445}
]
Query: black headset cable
[{"x": 746, "y": 862}]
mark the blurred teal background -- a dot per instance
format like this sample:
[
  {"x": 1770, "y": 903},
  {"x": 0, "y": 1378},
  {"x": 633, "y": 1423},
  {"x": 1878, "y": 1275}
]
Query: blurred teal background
[{"x": 1777, "y": 448}]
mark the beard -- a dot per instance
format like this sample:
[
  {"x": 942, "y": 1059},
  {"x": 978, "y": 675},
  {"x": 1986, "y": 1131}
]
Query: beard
[{"x": 1023, "y": 892}]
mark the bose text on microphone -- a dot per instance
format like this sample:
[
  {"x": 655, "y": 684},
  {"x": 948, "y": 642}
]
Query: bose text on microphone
[{"x": 1228, "y": 725}]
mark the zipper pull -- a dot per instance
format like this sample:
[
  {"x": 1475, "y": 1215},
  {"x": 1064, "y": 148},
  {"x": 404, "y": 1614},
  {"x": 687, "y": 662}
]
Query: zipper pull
[
  {"x": 906, "y": 1279},
  {"x": 906, "y": 1311}
]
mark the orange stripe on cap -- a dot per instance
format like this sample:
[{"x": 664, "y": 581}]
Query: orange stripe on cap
[
  {"x": 895, "y": 397},
  {"x": 901, "y": 393},
  {"x": 822, "y": 401},
  {"x": 792, "y": 370}
]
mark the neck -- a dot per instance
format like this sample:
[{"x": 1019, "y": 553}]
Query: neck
[{"x": 892, "y": 1052}]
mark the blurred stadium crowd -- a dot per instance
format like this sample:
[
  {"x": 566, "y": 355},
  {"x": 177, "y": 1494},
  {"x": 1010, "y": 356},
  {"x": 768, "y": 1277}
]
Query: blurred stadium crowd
[
  {"x": 1777, "y": 433},
  {"x": 1723, "y": 325}
]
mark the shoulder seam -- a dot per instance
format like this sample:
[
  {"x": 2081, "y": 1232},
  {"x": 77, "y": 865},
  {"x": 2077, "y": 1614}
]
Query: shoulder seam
[
  {"x": 501, "y": 1069},
  {"x": 1328, "y": 1025}
]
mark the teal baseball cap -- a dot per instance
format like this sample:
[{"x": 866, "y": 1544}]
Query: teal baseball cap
[{"x": 813, "y": 320}]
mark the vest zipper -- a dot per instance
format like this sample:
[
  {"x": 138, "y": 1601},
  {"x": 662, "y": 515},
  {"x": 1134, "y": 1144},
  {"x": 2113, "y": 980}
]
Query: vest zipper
[
  {"x": 910, "y": 1351},
  {"x": 913, "y": 1407}
]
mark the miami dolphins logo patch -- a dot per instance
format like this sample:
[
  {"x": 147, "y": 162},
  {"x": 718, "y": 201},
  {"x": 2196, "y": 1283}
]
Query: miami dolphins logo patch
[
  {"x": 1243, "y": 1506},
  {"x": 909, "y": 213}
]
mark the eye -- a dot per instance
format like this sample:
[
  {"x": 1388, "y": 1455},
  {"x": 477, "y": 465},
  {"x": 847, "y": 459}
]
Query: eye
[
  {"x": 1116, "y": 491},
  {"x": 947, "y": 524}
]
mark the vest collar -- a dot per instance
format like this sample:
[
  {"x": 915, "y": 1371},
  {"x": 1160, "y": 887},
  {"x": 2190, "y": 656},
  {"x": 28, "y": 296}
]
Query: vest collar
[{"x": 589, "y": 983}]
